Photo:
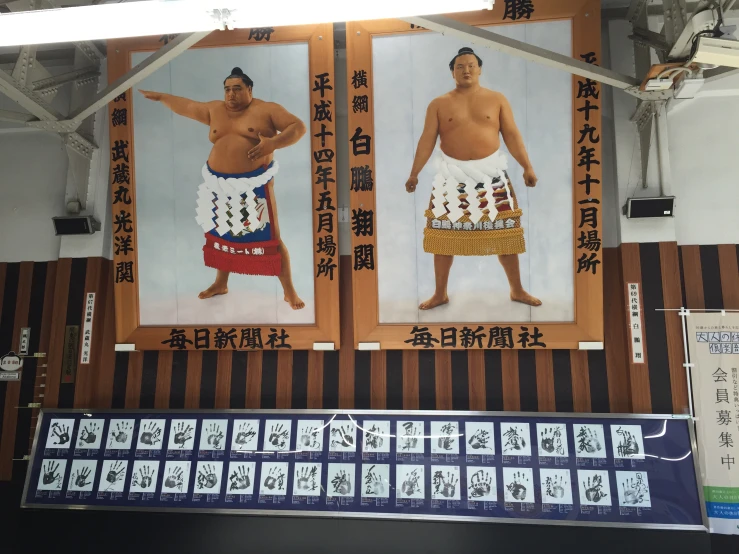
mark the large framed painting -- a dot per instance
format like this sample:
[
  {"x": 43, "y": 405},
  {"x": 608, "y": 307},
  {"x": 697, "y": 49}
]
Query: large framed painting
[
  {"x": 224, "y": 193},
  {"x": 476, "y": 183}
]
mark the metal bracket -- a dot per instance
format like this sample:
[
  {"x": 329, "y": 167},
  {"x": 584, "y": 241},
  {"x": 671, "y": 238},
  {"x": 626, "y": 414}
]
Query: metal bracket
[
  {"x": 635, "y": 9},
  {"x": 650, "y": 39},
  {"x": 643, "y": 114},
  {"x": 649, "y": 94},
  {"x": 90, "y": 51},
  {"x": 79, "y": 144},
  {"x": 644, "y": 119},
  {"x": 675, "y": 18},
  {"x": 23, "y": 65}
]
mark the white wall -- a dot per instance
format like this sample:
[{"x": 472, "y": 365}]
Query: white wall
[
  {"x": 705, "y": 169},
  {"x": 702, "y": 148},
  {"x": 33, "y": 184},
  {"x": 33, "y": 171}
]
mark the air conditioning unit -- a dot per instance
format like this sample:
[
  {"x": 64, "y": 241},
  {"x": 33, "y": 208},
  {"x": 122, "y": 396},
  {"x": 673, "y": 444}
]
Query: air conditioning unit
[
  {"x": 703, "y": 21},
  {"x": 717, "y": 51}
]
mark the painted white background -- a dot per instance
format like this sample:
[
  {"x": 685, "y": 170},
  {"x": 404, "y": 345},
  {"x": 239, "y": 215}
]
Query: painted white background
[
  {"x": 170, "y": 152},
  {"x": 411, "y": 70}
]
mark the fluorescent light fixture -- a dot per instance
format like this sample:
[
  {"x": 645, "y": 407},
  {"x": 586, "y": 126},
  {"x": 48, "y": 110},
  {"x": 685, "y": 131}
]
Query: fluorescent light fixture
[{"x": 136, "y": 19}]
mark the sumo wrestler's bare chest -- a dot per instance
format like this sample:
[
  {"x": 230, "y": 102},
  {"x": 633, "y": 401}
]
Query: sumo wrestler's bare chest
[
  {"x": 247, "y": 125},
  {"x": 460, "y": 114}
]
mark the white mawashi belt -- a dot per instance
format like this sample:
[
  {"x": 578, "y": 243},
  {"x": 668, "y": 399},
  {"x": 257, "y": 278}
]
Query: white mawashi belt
[
  {"x": 220, "y": 191},
  {"x": 451, "y": 174}
]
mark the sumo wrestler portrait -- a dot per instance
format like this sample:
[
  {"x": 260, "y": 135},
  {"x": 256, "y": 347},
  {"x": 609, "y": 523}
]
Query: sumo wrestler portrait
[
  {"x": 236, "y": 203},
  {"x": 473, "y": 209}
]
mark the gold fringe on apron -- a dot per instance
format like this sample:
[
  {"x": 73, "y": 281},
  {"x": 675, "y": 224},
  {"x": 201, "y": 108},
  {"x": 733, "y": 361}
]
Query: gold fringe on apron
[{"x": 473, "y": 209}]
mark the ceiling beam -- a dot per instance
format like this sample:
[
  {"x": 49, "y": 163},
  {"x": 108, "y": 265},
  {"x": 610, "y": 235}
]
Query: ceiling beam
[
  {"x": 55, "y": 82},
  {"x": 160, "y": 58},
  {"x": 494, "y": 41},
  {"x": 26, "y": 98},
  {"x": 15, "y": 117}
]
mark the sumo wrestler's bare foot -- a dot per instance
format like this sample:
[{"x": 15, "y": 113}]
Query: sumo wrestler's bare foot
[
  {"x": 525, "y": 298},
  {"x": 434, "y": 302},
  {"x": 214, "y": 290},
  {"x": 294, "y": 300}
]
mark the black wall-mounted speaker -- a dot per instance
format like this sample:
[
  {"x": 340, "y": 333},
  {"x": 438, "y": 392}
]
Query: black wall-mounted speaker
[
  {"x": 75, "y": 225},
  {"x": 661, "y": 206}
]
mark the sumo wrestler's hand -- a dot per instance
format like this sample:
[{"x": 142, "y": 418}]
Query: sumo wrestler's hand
[
  {"x": 529, "y": 177},
  {"x": 156, "y": 96},
  {"x": 265, "y": 147},
  {"x": 411, "y": 183}
]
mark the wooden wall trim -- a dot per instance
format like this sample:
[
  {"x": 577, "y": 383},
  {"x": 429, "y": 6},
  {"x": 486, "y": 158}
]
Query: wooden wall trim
[
  {"x": 253, "y": 379},
  {"x": 194, "y": 376},
  {"x": 164, "y": 379},
  {"x": 476, "y": 384},
  {"x": 545, "y": 381},
  {"x": 616, "y": 335},
  {"x": 693, "y": 277},
  {"x": 378, "y": 380},
  {"x": 315, "y": 379},
  {"x": 673, "y": 298},
  {"x": 223, "y": 380},
  {"x": 580, "y": 380},
  {"x": 411, "y": 390},
  {"x": 548, "y": 380},
  {"x": 13, "y": 390},
  {"x": 511, "y": 389},
  {"x": 347, "y": 353},
  {"x": 284, "y": 379},
  {"x": 56, "y": 338},
  {"x": 727, "y": 257},
  {"x": 133, "y": 382}
]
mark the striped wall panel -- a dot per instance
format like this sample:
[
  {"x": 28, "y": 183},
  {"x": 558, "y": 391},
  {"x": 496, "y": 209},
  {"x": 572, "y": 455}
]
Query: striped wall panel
[{"x": 49, "y": 296}]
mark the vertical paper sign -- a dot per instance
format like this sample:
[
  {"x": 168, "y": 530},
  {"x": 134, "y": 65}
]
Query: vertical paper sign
[
  {"x": 713, "y": 340},
  {"x": 635, "y": 325},
  {"x": 87, "y": 328},
  {"x": 25, "y": 340}
]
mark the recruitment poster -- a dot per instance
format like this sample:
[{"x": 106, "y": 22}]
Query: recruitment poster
[{"x": 713, "y": 340}]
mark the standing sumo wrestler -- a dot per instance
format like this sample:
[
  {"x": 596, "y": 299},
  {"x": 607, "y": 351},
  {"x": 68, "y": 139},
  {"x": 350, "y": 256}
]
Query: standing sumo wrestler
[
  {"x": 236, "y": 203},
  {"x": 473, "y": 209}
]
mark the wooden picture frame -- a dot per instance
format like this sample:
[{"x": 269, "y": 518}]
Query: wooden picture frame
[
  {"x": 324, "y": 197},
  {"x": 588, "y": 281}
]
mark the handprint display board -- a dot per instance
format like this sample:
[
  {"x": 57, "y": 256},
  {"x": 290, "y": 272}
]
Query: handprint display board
[{"x": 468, "y": 466}]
